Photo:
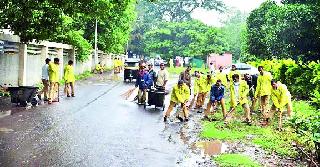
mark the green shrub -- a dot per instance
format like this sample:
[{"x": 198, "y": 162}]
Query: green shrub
[
  {"x": 235, "y": 160},
  {"x": 302, "y": 80}
]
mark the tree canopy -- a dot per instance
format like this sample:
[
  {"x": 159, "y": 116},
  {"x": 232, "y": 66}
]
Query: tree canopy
[
  {"x": 71, "y": 21},
  {"x": 151, "y": 15},
  {"x": 190, "y": 39},
  {"x": 291, "y": 30}
]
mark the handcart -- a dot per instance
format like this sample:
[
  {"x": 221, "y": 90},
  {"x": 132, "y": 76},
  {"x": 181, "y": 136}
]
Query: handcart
[
  {"x": 23, "y": 95},
  {"x": 156, "y": 97}
]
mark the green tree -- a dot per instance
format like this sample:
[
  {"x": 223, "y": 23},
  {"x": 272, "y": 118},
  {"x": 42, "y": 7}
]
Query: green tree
[
  {"x": 291, "y": 30},
  {"x": 233, "y": 27},
  {"x": 151, "y": 14},
  {"x": 71, "y": 22},
  {"x": 189, "y": 39},
  {"x": 256, "y": 30}
]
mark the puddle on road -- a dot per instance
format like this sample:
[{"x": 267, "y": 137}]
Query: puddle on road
[
  {"x": 5, "y": 113},
  {"x": 6, "y": 130},
  {"x": 212, "y": 147}
]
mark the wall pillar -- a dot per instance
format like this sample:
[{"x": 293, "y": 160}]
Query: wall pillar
[
  {"x": 73, "y": 56},
  {"x": 60, "y": 56},
  {"x": 22, "y": 79},
  {"x": 44, "y": 53}
]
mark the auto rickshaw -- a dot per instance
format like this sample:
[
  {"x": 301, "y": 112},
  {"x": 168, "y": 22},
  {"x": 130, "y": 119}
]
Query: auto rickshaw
[{"x": 131, "y": 67}]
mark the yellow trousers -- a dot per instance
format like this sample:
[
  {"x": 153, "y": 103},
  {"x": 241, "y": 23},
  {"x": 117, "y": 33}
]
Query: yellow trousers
[
  {"x": 211, "y": 104},
  {"x": 53, "y": 91},
  {"x": 200, "y": 100},
  {"x": 274, "y": 109},
  {"x": 69, "y": 88},
  {"x": 183, "y": 106},
  {"x": 142, "y": 95}
]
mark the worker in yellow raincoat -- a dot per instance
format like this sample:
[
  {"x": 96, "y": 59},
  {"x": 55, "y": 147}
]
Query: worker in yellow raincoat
[
  {"x": 232, "y": 72},
  {"x": 281, "y": 98},
  {"x": 99, "y": 69},
  {"x": 206, "y": 84},
  {"x": 53, "y": 79},
  {"x": 263, "y": 91},
  {"x": 180, "y": 94},
  {"x": 116, "y": 66},
  {"x": 196, "y": 86},
  {"x": 221, "y": 76},
  {"x": 121, "y": 64},
  {"x": 199, "y": 89},
  {"x": 69, "y": 79},
  {"x": 239, "y": 92}
]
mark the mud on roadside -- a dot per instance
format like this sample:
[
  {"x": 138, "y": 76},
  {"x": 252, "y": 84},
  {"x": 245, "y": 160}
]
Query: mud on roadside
[{"x": 200, "y": 152}]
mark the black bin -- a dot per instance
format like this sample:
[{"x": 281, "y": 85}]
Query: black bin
[
  {"x": 22, "y": 95},
  {"x": 156, "y": 97}
]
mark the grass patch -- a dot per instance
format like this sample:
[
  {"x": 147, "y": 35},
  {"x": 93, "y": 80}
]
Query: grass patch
[
  {"x": 235, "y": 160},
  {"x": 267, "y": 138},
  {"x": 279, "y": 142},
  {"x": 84, "y": 75}
]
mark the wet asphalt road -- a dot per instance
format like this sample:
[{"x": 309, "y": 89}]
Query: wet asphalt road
[{"x": 96, "y": 128}]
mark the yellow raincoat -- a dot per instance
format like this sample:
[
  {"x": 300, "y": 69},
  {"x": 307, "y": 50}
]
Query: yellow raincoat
[
  {"x": 243, "y": 94},
  {"x": 231, "y": 73},
  {"x": 180, "y": 95},
  {"x": 281, "y": 96},
  {"x": 199, "y": 86},
  {"x": 53, "y": 72},
  {"x": 209, "y": 84},
  {"x": 69, "y": 74},
  {"x": 264, "y": 85},
  {"x": 222, "y": 77},
  {"x": 98, "y": 67},
  {"x": 202, "y": 85}
]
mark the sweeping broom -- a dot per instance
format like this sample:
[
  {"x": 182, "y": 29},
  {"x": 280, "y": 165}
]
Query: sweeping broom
[{"x": 128, "y": 93}]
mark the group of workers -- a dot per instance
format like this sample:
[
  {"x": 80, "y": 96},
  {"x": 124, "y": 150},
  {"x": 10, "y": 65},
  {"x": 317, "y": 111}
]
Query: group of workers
[
  {"x": 148, "y": 78},
  {"x": 50, "y": 79},
  {"x": 217, "y": 84},
  {"x": 117, "y": 66}
]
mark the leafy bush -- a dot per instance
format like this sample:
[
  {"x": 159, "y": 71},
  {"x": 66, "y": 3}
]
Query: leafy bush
[
  {"x": 306, "y": 123},
  {"x": 302, "y": 80}
]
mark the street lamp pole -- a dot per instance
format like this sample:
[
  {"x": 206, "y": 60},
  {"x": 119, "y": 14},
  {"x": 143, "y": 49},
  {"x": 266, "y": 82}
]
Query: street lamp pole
[{"x": 95, "y": 43}]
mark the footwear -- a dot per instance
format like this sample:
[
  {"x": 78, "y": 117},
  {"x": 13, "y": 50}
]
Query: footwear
[
  {"x": 73, "y": 95},
  {"x": 49, "y": 102},
  {"x": 186, "y": 119},
  {"x": 248, "y": 122},
  {"x": 213, "y": 119},
  {"x": 180, "y": 119},
  {"x": 165, "y": 119},
  {"x": 206, "y": 118},
  {"x": 199, "y": 111},
  {"x": 68, "y": 96}
]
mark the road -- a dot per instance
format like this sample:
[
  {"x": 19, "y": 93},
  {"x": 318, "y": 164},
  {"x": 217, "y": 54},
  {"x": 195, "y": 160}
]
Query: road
[{"x": 96, "y": 128}]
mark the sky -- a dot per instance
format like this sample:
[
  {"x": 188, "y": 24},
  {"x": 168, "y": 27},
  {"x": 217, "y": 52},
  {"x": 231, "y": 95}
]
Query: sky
[{"x": 214, "y": 18}]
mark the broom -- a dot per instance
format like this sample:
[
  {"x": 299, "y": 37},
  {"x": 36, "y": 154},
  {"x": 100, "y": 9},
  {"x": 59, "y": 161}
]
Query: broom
[{"x": 128, "y": 93}]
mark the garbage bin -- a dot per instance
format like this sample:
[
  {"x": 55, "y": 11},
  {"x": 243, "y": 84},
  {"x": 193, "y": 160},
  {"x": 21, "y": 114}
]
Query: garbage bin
[{"x": 22, "y": 95}]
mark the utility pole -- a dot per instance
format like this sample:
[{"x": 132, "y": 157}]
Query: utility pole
[{"x": 95, "y": 43}]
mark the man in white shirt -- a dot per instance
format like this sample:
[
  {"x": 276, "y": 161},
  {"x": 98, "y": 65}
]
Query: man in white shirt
[
  {"x": 45, "y": 79},
  {"x": 162, "y": 77},
  {"x": 212, "y": 68}
]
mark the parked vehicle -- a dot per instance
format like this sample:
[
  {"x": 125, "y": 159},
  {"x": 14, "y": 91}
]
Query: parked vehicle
[
  {"x": 131, "y": 67},
  {"x": 243, "y": 69}
]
